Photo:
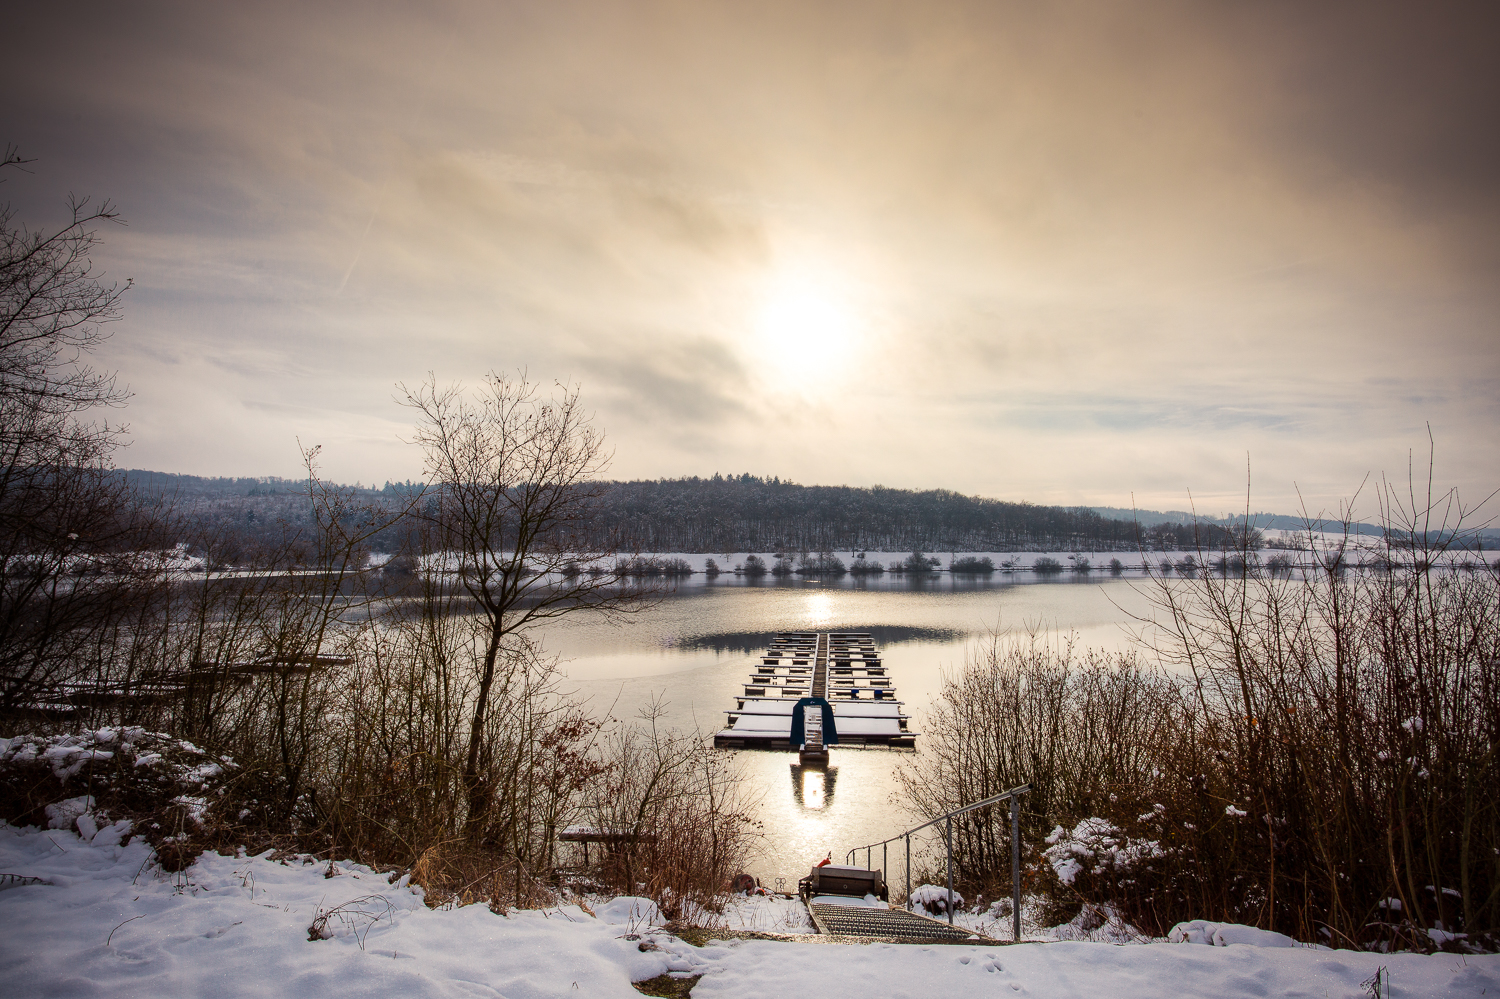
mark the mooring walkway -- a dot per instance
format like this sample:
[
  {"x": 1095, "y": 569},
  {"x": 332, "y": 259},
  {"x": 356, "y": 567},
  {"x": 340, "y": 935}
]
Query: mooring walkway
[
  {"x": 842, "y": 667},
  {"x": 820, "y": 669},
  {"x": 832, "y": 919}
]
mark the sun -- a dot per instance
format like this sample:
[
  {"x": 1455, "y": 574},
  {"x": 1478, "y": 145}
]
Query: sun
[{"x": 802, "y": 326}]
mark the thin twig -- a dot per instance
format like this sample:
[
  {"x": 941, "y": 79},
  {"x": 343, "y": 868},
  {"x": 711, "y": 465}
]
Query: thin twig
[{"x": 112, "y": 932}]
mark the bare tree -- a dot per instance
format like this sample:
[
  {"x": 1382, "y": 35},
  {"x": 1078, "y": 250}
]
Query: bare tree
[
  {"x": 510, "y": 473},
  {"x": 63, "y": 518},
  {"x": 53, "y": 308}
]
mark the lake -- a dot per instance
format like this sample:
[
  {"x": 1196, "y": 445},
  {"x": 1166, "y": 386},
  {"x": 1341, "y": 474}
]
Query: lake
[{"x": 694, "y": 647}]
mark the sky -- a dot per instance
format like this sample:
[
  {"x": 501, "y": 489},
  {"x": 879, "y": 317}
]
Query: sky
[{"x": 1076, "y": 253}]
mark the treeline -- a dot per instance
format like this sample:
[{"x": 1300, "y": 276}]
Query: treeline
[
  {"x": 741, "y": 513},
  {"x": 749, "y": 513}
]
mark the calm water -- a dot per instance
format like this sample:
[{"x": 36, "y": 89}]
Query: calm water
[{"x": 695, "y": 646}]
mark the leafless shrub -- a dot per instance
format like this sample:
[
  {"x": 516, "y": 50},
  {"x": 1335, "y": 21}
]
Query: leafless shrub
[
  {"x": 1078, "y": 725},
  {"x": 356, "y": 917},
  {"x": 454, "y": 874},
  {"x": 972, "y": 563},
  {"x": 653, "y": 565},
  {"x": 824, "y": 563},
  {"x": 682, "y": 813},
  {"x": 1311, "y": 754}
]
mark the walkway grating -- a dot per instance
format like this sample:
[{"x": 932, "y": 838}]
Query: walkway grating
[{"x": 890, "y": 924}]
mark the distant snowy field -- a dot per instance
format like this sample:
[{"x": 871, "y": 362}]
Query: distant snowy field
[
  {"x": 107, "y": 923},
  {"x": 179, "y": 563}
]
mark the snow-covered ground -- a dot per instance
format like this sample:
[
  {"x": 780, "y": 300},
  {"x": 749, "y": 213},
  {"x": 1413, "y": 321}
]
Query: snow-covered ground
[
  {"x": 179, "y": 564},
  {"x": 103, "y": 921},
  {"x": 1358, "y": 550}
]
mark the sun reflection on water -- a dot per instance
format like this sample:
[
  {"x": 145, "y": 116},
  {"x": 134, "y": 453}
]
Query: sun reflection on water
[
  {"x": 812, "y": 786},
  {"x": 812, "y": 789},
  {"x": 819, "y": 610},
  {"x": 808, "y": 828}
]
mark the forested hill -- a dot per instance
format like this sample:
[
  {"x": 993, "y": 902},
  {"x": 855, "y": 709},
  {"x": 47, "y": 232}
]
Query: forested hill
[
  {"x": 747, "y": 513},
  {"x": 725, "y": 514}
]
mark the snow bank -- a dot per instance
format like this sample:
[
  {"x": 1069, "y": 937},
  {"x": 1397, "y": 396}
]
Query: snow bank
[
  {"x": 767, "y": 914},
  {"x": 638, "y": 913},
  {"x": 851, "y": 901},
  {"x": 108, "y": 922},
  {"x": 1201, "y": 931}
]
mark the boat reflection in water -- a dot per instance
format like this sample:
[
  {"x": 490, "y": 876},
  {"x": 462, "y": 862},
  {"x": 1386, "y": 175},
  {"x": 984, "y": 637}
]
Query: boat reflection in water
[{"x": 812, "y": 785}]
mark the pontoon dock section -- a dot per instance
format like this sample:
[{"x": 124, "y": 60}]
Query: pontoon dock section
[{"x": 842, "y": 667}]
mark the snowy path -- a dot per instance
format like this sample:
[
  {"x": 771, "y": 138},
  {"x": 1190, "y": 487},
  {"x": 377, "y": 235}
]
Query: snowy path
[{"x": 239, "y": 927}]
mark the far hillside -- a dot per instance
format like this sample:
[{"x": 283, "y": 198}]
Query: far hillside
[
  {"x": 734, "y": 513},
  {"x": 1260, "y": 520},
  {"x": 749, "y": 513}
]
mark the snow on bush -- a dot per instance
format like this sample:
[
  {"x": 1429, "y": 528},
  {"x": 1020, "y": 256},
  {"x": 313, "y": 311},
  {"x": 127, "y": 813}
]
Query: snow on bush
[
  {"x": 101, "y": 782},
  {"x": 1099, "y": 924},
  {"x": 933, "y": 900},
  {"x": 1096, "y": 846},
  {"x": 63, "y": 814},
  {"x": 161, "y": 759}
]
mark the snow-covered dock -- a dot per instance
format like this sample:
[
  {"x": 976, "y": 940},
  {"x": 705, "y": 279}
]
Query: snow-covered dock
[{"x": 843, "y": 668}]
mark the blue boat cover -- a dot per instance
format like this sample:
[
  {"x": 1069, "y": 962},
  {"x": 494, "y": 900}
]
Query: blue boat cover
[{"x": 830, "y": 732}]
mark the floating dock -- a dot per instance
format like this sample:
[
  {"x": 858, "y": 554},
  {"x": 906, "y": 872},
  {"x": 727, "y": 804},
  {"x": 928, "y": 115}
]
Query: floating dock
[{"x": 840, "y": 667}]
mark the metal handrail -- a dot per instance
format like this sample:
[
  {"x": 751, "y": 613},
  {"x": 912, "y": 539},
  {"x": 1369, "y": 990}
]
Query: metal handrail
[
  {"x": 1024, "y": 788},
  {"x": 1014, "y": 796}
]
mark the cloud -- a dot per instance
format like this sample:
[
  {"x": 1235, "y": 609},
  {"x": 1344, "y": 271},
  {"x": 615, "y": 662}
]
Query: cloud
[{"x": 1143, "y": 234}]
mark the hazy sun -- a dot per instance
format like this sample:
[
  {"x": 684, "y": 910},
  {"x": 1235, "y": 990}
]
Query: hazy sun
[{"x": 802, "y": 327}]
